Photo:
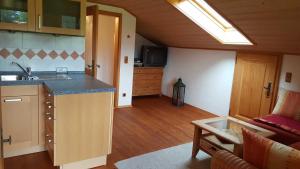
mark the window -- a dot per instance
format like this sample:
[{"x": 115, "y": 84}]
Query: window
[{"x": 211, "y": 21}]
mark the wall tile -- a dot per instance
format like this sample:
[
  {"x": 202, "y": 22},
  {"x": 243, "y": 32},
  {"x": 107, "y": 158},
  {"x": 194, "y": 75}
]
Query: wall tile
[
  {"x": 38, "y": 41},
  {"x": 10, "y": 40}
]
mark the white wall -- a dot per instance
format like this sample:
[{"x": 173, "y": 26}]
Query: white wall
[
  {"x": 36, "y": 42},
  {"x": 208, "y": 75},
  {"x": 291, "y": 63},
  {"x": 127, "y": 49},
  {"x": 139, "y": 42}
]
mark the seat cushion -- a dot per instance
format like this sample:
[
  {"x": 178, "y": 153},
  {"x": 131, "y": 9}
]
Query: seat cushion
[
  {"x": 282, "y": 122},
  {"x": 296, "y": 145},
  {"x": 267, "y": 154},
  {"x": 288, "y": 104}
]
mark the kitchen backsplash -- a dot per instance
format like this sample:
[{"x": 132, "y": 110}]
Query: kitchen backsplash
[{"x": 41, "y": 52}]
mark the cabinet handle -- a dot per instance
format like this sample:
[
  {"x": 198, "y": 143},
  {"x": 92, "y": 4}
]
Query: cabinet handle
[
  {"x": 49, "y": 118},
  {"x": 49, "y": 106},
  {"x": 12, "y": 100},
  {"x": 49, "y": 141},
  {"x": 39, "y": 20}
]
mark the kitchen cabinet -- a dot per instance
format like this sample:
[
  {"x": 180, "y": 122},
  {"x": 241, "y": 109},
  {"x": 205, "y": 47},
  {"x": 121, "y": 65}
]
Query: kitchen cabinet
[
  {"x": 19, "y": 108},
  {"x": 78, "y": 127},
  {"x": 46, "y": 16},
  {"x": 61, "y": 16},
  {"x": 17, "y": 15}
]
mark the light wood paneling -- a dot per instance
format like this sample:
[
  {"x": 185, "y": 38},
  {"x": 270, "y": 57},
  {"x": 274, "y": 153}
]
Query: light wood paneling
[
  {"x": 272, "y": 25},
  {"x": 253, "y": 73},
  {"x": 81, "y": 128},
  {"x": 147, "y": 81},
  {"x": 42, "y": 112},
  {"x": 30, "y": 90},
  {"x": 20, "y": 121}
]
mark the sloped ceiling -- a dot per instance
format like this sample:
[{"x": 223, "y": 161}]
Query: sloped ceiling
[{"x": 273, "y": 25}]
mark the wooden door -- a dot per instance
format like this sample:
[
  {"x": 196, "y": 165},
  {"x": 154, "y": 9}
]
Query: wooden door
[
  {"x": 106, "y": 48},
  {"x": 255, "y": 85},
  {"x": 103, "y": 46},
  {"x": 20, "y": 123},
  {"x": 17, "y": 15}
]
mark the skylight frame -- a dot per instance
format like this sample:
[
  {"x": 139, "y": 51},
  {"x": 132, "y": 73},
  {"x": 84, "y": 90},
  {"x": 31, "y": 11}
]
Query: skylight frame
[{"x": 202, "y": 14}]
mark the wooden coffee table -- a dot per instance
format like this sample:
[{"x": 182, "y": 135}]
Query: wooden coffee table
[{"x": 222, "y": 133}]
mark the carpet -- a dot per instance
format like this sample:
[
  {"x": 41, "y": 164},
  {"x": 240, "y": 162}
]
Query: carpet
[{"x": 178, "y": 157}]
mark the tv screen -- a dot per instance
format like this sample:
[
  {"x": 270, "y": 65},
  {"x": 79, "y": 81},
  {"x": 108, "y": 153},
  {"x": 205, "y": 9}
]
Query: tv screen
[{"x": 154, "y": 56}]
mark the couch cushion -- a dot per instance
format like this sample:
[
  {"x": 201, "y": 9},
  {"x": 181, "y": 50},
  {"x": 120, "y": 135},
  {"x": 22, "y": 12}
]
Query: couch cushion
[
  {"x": 296, "y": 145},
  {"x": 267, "y": 154},
  {"x": 288, "y": 104},
  {"x": 282, "y": 122}
]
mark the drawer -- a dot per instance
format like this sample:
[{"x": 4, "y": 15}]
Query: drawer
[
  {"x": 150, "y": 77},
  {"x": 147, "y": 84},
  {"x": 49, "y": 144},
  {"x": 208, "y": 147},
  {"x": 49, "y": 123},
  {"x": 148, "y": 70},
  {"x": 26, "y": 90},
  {"x": 140, "y": 92}
]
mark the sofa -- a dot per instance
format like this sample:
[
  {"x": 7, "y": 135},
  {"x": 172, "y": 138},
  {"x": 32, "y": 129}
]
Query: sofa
[
  {"x": 258, "y": 153},
  {"x": 285, "y": 118}
]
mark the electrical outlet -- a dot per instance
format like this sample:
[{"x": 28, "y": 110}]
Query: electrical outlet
[
  {"x": 124, "y": 95},
  {"x": 61, "y": 70},
  {"x": 126, "y": 59}
]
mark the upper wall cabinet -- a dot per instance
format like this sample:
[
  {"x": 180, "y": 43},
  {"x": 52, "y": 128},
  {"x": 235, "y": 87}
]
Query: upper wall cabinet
[
  {"x": 47, "y": 16},
  {"x": 17, "y": 15},
  {"x": 61, "y": 16}
]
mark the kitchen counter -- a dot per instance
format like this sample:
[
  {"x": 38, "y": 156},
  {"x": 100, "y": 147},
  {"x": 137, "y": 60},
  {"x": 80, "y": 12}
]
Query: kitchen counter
[{"x": 79, "y": 83}]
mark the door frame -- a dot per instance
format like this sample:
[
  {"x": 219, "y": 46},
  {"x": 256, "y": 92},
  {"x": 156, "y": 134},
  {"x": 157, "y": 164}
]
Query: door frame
[
  {"x": 276, "y": 81},
  {"x": 95, "y": 12}
]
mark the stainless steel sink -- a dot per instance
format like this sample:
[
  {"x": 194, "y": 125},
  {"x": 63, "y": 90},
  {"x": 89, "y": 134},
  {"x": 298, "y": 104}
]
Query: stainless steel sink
[{"x": 17, "y": 77}]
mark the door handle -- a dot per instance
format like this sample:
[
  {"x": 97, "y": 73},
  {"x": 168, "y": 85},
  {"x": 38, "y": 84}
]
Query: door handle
[
  {"x": 98, "y": 66},
  {"x": 268, "y": 89},
  {"x": 12, "y": 100},
  {"x": 7, "y": 140}
]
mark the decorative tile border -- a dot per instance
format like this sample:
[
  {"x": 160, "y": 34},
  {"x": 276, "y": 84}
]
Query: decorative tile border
[{"x": 30, "y": 53}]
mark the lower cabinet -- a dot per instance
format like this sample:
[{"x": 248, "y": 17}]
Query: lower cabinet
[
  {"x": 20, "y": 119},
  {"x": 78, "y": 126}
]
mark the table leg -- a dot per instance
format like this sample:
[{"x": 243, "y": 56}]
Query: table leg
[
  {"x": 238, "y": 150},
  {"x": 196, "y": 141}
]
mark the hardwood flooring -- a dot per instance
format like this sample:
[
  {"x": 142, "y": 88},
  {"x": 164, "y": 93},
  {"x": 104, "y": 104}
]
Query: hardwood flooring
[{"x": 151, "y": 124}]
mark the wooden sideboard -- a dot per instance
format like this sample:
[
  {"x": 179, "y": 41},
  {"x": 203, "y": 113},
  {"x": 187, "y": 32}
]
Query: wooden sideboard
[{"x": 147, "y": 81}]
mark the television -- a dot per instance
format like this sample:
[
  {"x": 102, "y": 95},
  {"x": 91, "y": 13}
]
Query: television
[{"x": 153, "y": 56}]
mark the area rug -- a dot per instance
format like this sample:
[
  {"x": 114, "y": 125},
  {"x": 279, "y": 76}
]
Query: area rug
[{"x": 178, "y": 157}]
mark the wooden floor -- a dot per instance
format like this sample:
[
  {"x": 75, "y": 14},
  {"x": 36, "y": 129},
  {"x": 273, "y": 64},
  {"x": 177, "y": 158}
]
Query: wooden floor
[{"x": 151, "y": 124}]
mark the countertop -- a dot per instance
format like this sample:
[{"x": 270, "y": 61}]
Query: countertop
[{"x": 79, "y": 83}]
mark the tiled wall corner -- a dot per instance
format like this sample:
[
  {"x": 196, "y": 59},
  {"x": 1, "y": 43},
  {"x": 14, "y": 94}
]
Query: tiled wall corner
[{"x": 42, "y": 52}]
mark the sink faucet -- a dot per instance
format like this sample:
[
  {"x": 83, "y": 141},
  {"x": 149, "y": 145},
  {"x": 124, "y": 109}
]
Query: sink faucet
[{"x": 26, "y": 70}]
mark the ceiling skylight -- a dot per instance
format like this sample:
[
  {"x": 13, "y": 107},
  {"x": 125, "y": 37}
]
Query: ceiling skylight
[{"x": 211, "y": 21}]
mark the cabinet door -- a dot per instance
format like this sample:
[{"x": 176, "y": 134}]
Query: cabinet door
[
  {"x": 17, "y": 15},
  {"x": 20, "y": 122},
  {"x": 61, "y": 16}
]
